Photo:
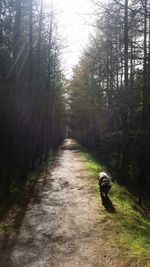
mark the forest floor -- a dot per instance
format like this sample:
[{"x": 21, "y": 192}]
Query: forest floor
[{"x": 65, "y": 223}]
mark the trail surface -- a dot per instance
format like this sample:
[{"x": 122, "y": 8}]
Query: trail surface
[{"x": 66, "y": 225}]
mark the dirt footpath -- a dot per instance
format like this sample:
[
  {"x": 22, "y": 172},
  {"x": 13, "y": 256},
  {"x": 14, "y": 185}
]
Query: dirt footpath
[{"x": 66, "y": 225}]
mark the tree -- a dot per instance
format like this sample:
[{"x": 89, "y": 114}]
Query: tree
[
  {"x": 29, "y": 58},
  {"x": 113, "y": 82}
]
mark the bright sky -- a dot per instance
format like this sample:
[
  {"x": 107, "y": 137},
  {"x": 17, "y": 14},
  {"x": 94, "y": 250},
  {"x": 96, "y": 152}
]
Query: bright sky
[{"x": 74, "y": 17}]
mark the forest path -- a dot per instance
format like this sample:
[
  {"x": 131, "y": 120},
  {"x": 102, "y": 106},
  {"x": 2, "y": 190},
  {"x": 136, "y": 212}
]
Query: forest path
[{"x": 66, "y": 225}]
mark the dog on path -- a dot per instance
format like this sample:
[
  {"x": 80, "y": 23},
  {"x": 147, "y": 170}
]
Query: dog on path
[{"x": 104, "y": 184}]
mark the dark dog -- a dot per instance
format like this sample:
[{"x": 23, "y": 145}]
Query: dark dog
[{"x": 104, "y": 184}]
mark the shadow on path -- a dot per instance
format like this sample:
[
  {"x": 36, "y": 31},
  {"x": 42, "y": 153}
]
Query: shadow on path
[
  {"x": 69, "y": 144},
  {"x": 107, "y": 203},
  {"x": 32, "y": 195}
]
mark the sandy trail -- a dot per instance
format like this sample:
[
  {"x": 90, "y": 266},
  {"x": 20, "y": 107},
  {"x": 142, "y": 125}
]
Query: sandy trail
[{"x": 66, "y": 225}]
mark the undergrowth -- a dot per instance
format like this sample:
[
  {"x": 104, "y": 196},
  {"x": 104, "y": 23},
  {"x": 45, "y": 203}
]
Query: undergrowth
[
  {"x": 130, "y": 231},
  {"x": 19, "y": 197}
]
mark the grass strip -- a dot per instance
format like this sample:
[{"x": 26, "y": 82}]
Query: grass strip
[
  {"x": 130, "y": 231},
  {"x": 20, "y": 196}
]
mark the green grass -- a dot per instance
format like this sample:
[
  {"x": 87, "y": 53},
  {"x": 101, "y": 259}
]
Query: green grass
[
  {"x": 20, "y": 190},
  {"x": 91, "y": 163},
  {"x": 129, "y": 231},
  {"x": 20, "y": 196},
  {"x": 4, "y": 229}
]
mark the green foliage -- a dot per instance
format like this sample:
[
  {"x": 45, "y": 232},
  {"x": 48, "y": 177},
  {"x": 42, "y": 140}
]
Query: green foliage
[{"x": 129, "y": 231}]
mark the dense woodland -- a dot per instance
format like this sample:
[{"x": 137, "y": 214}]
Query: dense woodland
[
  {"x": 110, "y": 92},
  {"x": 31, "y": 89}
]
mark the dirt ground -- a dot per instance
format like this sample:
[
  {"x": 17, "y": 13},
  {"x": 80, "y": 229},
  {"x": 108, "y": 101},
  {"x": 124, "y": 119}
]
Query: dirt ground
[{"x": 65, "y": 226}]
